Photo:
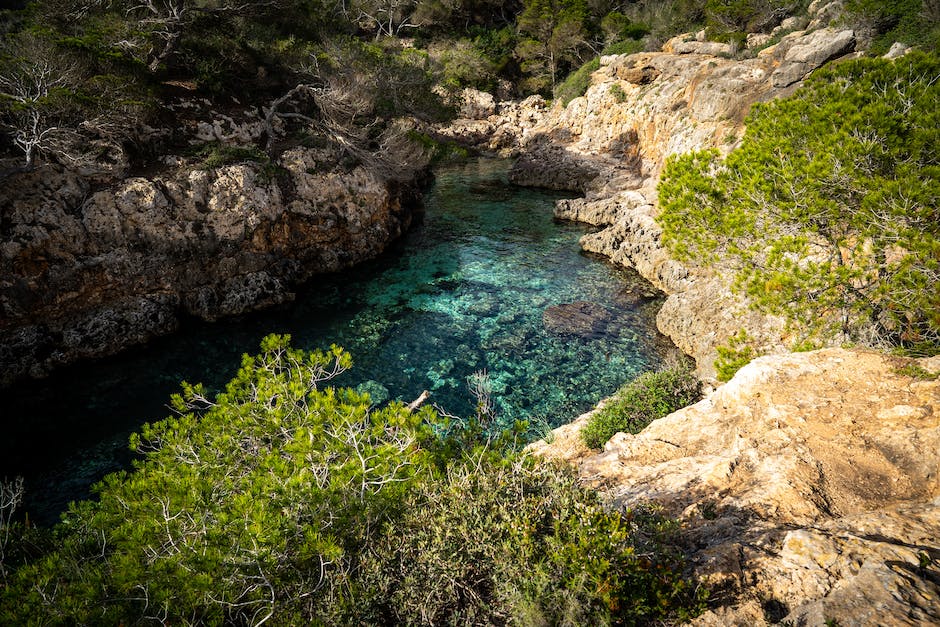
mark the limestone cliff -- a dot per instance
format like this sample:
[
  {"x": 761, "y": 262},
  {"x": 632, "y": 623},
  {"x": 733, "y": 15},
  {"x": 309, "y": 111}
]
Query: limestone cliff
[
  {"x": 88, "y": 268},
  {"x": 808, "y": 487}
]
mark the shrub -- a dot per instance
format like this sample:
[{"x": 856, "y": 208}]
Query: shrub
[
  {"x": 628, "y": 46},
  {"x": 650, "y": 396},
  {"x": 621, "y": 31},
  {"x": 733, "y": 356},
  {"x": 496, "y": 45},
  {"x": 215, "y": 155},
  {"x": 617, "y": 92},
  {"x": 519, "y": 542},
  {"x": 242, "y": 504},
  {"x": 577, "y": 83},
  {"x": 281, "y": 499},
  {"x": 440, "y": 151},
  {"x": 465, "y": 65},
  {"x": 916, "y": 371},
  {"x": 664, "y": 19},
  {"x": 913, "y": 22}
]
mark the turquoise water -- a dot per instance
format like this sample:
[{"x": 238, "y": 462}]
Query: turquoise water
[{"x": 464, "y": 292}]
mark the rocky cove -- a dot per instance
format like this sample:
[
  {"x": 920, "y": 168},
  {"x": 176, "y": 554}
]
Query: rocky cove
[
  {"x": 611, "y": 146},
  {"x": 484, "y": 280},
  {"x": 806, "y": 487}
]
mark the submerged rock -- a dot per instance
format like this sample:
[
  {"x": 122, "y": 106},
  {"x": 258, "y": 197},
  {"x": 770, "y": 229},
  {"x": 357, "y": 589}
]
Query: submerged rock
[{"x": 580, "y": 318}]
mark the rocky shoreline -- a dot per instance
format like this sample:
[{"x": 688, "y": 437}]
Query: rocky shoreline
[
  {"x": 807, "y": 487},
  {"x": 90, "y": 269},
  {"x": 612, "y": 143}
]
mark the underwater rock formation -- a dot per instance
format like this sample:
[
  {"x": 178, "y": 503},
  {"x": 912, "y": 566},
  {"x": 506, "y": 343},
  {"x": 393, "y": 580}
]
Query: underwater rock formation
[{"x": 580, "y": 318}]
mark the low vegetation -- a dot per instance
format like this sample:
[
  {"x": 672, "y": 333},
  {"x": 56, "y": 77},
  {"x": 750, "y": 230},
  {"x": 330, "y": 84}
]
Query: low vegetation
[
  {"x": 882, "y": 23},
  {"x": 649, "y": 397},
  {"x": 577, "y": 82},
  {"x": 733, "y": 356},
  {"x": 287, "y": 501}
]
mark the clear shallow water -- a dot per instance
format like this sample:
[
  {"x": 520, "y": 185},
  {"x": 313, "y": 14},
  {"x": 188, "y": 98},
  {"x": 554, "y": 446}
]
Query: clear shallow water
[{"x": 464, "y": 291}]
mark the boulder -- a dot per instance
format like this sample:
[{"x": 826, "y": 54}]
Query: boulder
[
  {"x": 897, "y": 50},
  {"x": 687, "y": 44},
  {"x": 825, "y": 13},
  {"x": 638, "y": 75},
  {"x": 757, "y": 40},
  {"x": 809, "y": 52},
  {"x": 476, "y": 104}
]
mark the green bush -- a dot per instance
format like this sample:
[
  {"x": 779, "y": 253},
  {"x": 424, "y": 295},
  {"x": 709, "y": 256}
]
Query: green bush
[
  {"x": 496, "y": 45},
  {"x": 440, "y": 151},
  {"x": 730, "y": 17},
  {"x": 827, "y": 210},
  {"x": 577, "y": 83},
  {"x": 913, "y": 22},
  {"x": 465, "y": 65},
  {"x": 916, "y": 371},
  {"x": 242, "y": 505},
  {"x": 284, "y": 500},
  {"x": 621, "y": 32},
  {"x": 628, "y": 46},
  {"x": 733, "y": 356},
  {"x": 216, "y": 155},
  {"x": 618, "y": 93},
  {"x": 650, "y": 396},
  {"x": 497, "y": 541}
]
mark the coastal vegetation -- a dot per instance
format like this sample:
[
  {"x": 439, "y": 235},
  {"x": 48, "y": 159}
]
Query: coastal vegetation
[
  {"x": 638, "y": 403},
  {"x": 826, "y": 214},
  {"x": 283, "y": 499},
  {"x": 286, "y": 500}
]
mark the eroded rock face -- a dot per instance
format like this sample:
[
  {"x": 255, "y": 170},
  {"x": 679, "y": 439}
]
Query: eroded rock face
[
  {"x": 809, "y": 52},
  {"x": 808, "y": 487},
  {"x": 501, "y": 129},
  {"x": 84, "y": 272}
]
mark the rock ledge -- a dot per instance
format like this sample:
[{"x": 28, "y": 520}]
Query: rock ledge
[{"x": 808, "y": 488}]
